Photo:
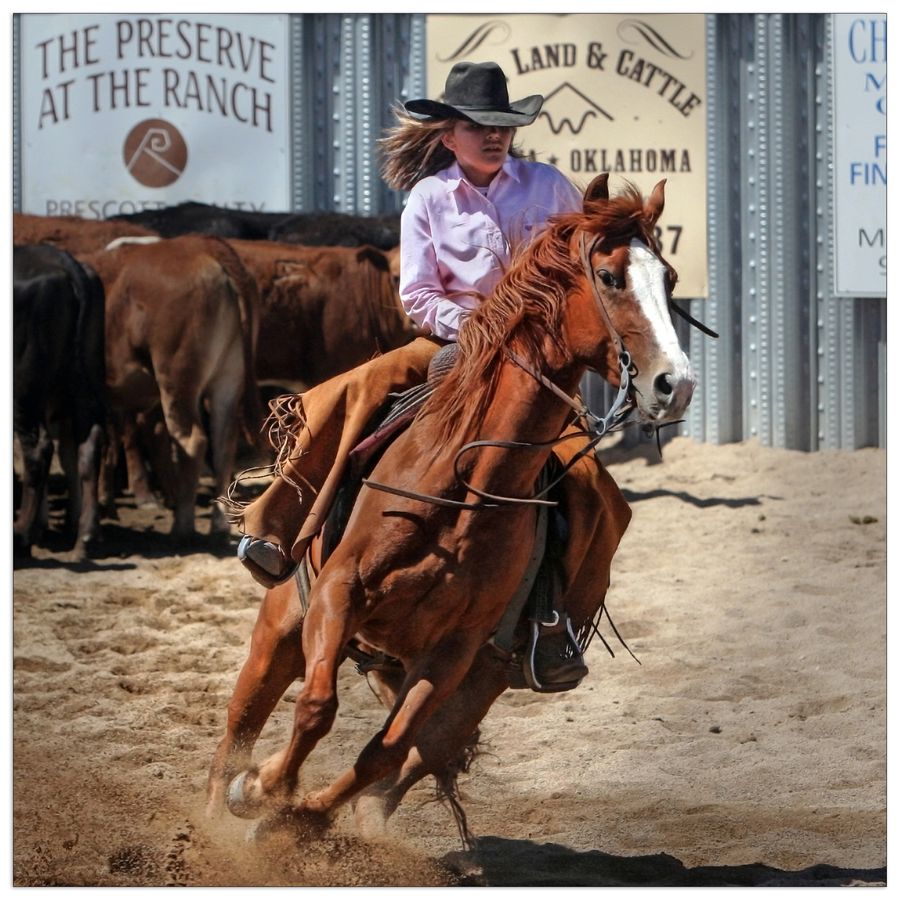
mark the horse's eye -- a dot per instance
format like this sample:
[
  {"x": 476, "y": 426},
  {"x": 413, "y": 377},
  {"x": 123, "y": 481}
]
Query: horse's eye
[{"x": 607, "y": 277}]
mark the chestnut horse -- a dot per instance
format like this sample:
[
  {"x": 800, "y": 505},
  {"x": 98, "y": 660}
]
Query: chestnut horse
[{"x": 416, "y": 574}]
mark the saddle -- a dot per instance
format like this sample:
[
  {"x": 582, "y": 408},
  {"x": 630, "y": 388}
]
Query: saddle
[{"x": 530, "y": 608}]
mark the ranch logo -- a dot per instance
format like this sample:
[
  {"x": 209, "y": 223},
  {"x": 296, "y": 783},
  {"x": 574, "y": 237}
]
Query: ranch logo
[
  {"x": 155, "y": 153},
  {"x": 575, "y": 100}
]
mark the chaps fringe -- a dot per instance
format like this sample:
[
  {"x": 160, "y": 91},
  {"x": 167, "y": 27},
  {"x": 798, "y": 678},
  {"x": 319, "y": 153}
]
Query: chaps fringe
[{"x": 283, "y": 425}]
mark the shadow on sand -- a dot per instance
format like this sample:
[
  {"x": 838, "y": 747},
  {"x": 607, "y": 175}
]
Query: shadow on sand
[
  {"x": 126, "y": 531},
  {"x": 500, "y": 862}
]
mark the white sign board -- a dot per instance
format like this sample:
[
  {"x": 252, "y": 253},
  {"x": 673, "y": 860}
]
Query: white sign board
[
  {"x": 624, "y": 94},
  {"x": 121, "y": 113},
  {"x": 860, "y": 155}
]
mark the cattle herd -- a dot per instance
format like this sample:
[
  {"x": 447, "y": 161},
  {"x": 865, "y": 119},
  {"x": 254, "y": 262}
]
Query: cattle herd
[{"x": 146, "y": 338}]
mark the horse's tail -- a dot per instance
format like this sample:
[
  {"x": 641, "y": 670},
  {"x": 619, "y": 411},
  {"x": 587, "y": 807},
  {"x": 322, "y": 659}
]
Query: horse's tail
[
  {"x": 246, "y": 293},
  {"x": 447, "y": 786}
]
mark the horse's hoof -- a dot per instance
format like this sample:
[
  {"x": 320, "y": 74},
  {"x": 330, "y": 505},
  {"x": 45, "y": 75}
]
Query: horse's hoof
[
  {"x": 370, "y": 819},
  {"x": 310, "y": 823},
  {"x": 285, "y": 821},
  {"x": 299, "y": 823},
  {"x": 263, "y": 829},
  {"x": 239, "y": 804}
]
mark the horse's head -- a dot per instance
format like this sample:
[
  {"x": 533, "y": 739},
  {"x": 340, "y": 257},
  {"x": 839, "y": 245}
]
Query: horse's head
[{"x": 625, "y": 301}]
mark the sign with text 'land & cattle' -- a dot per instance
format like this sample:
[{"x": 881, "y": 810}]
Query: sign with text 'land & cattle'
[{"x": 623, "y": 94}]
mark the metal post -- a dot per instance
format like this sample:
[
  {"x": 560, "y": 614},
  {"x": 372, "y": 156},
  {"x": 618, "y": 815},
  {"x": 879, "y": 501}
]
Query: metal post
[{"x": 301, "y": 139}]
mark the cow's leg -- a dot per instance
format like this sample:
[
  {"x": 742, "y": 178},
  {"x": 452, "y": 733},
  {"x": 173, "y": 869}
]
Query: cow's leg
[
  {"x": 275, "y": 660},
  {"x": 138, "y": 475},
  {"x": 109, "y": 463},
  {"x": 89, "y": 455},
  {"x": 225, "y": 394},
  {"x": 80, "y": 448},
  {"x": 157, "y": 447},
  {"x": 181, "y": 409},
  {"x": 68, "y": 460},
  {"x": 37, "y": 453},
  {"x": 442, "y": 747}
]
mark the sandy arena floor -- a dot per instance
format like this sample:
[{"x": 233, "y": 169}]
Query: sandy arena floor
[{"x": 747, "y": 748}]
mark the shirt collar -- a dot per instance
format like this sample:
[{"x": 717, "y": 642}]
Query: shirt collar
[{"x": 455, "y": 175}]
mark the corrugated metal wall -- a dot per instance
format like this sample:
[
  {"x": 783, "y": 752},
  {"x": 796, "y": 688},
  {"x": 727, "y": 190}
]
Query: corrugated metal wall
[
  {"x": 795, "y": 366},
  {"x": 347, "y": 72}
]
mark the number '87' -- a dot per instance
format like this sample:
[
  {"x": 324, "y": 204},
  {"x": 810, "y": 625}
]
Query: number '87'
[{"x": 670, "y": 231}]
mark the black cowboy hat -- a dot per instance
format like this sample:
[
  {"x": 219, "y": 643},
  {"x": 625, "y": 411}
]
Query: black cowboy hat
[{"x": 477, "y": 91}]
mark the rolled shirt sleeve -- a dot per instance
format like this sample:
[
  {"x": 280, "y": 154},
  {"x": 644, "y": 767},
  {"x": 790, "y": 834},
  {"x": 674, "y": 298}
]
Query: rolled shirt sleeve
[
  {"x": 456, "y": 243},
  {"x": 422, "y": 292}
]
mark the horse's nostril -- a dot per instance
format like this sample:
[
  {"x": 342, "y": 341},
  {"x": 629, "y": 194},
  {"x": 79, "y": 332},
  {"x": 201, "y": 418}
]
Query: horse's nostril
[{"x": 663, "y": 384}]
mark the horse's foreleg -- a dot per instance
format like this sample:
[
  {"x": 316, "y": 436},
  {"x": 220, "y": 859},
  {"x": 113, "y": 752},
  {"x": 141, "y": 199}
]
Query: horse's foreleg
[
  {"x": 427, "y": 686},
  {"x": 275, "y": 660},
  {"x": 442, "y": 748},
  {"x": 326, "y": 629}
]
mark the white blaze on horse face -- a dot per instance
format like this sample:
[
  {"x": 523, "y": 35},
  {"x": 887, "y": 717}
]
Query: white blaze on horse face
[{"x": 672, "y": 383}]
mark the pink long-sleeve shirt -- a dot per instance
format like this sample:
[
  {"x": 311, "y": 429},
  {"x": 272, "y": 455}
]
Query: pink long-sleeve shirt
[{"x": 456, "y": 242}]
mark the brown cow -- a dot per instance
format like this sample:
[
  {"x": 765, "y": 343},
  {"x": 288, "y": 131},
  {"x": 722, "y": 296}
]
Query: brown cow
[
  {"x": 181, "y": 323},
  {"x": 81, "y": 238},
  {"x": 76, "y": 235},
  {"x": 324, "y": 310}
]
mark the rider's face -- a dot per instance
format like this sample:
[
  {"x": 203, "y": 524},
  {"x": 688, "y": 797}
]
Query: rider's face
[{"x": 480, "y": 150}]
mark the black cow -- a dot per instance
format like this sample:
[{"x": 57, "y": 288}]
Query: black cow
[
  {"x": 313, "y": 229},
  {"x": 192, "y": 217},
  {"x": 335, "y": 229},
  {"x": 59, "y": 376}
]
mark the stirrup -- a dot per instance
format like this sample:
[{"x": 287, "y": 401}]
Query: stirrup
[
  {"x": 249, "y": 545},
  {"x": 578, "y": 668}
]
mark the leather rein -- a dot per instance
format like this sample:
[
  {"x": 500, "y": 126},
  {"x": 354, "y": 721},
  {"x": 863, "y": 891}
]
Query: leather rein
[{"x": 597, "y": 427}]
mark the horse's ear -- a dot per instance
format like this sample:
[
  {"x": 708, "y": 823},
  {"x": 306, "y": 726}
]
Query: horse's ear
[
  {"x": 656, "y": 203},
  {"x": 598, "y": 189}
]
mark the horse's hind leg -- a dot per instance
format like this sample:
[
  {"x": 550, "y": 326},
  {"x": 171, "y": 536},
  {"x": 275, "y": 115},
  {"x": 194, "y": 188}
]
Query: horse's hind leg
[
  {"x": 275, "y": 661},
  {"x": 427, "y": 686},
  {"x": 443, "y": 748}
]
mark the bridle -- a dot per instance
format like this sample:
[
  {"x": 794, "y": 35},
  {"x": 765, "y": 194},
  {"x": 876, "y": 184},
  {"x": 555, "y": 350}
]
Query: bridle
[{"x": 596, "y": 427}]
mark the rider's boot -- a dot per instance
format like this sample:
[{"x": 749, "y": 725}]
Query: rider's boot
[
  {"x": 553, "y": 657},
  {"x": 555, "y": 661},
  {"x": 265, "y": 561}
]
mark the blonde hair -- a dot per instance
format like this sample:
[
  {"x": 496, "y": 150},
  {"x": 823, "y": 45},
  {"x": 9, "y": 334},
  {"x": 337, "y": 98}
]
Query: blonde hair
[{"x": 412, "y": 149}]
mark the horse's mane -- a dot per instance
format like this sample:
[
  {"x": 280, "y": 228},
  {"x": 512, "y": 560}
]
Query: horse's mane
[{"x": 527, "y": 306}]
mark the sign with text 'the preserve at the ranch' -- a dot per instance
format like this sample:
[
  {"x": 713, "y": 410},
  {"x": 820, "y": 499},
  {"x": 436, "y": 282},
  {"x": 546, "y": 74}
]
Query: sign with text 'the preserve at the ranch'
[
  {"x": 623, "y": 94},
  {"x": 121, "y": 113}
]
